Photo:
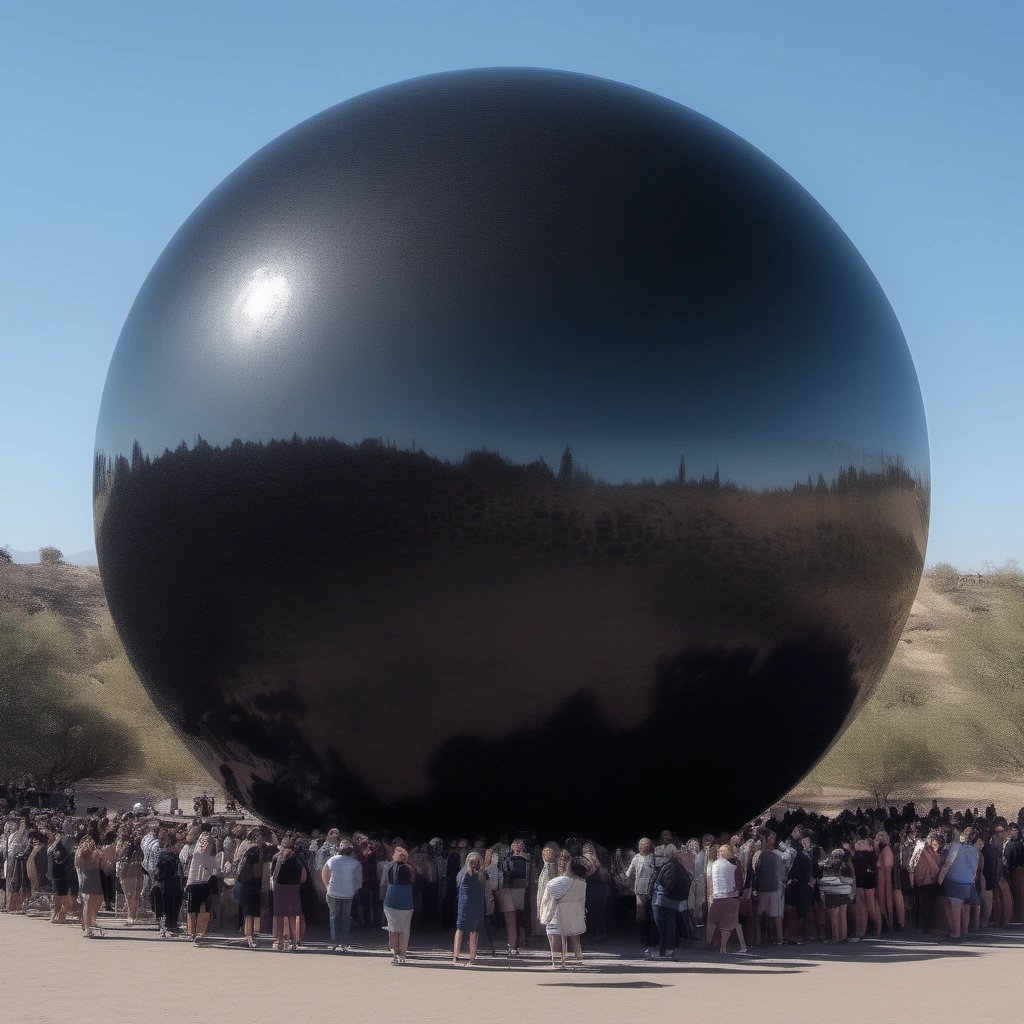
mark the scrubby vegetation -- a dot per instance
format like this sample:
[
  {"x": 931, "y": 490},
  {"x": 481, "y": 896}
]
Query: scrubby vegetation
[
  {"x": 73, "y": 708},
  {"x": 965, "y": 715}
]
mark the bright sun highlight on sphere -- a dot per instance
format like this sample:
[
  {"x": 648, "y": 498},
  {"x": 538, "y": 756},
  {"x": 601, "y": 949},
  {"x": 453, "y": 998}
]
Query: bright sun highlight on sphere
[{"x": 264, "y": 298}]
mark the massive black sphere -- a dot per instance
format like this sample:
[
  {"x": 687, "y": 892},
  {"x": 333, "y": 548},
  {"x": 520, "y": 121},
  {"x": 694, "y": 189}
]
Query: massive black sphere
[{"x": 510, "y": 449}]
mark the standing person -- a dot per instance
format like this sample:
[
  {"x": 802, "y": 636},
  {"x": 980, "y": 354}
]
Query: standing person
[
  {"x": 598, "y": 892},
  {"x": 1013, "y": 863},
  {"x": 129, "y": 871},
  {"x": 19, "y": 847},
  {"x": 865, "y": 870},
  {"x": 724, "y": 909},
  {"x": 325, "y": 851},
  {"x": 672, "y": 886},
  {"x": 288, "y": 874},
  {"x": 701, "y": 873},
  {"x": 60, "y": 870},
  {"x": 640, "y": 877},
  {"x": 799, "y": 891},
  {"x": 885, "y": 890},
  {"x": 1002, "y": 895},
  {"x": 169, "y": 875},
  {"x": 563, "y": 911},
  {"x": 150, "y": 845},
  {"x": 342, "y": 877},
  {"x": 470, "y": 913},
  {"x": 108, "y": 868},
  {"x": 837, "y": 887},
  {"x": 957, "y": 878},
  {"x": 87, "y": 861},
  {"x": 396, "y": 889},
  {"x": 925, "y": 864},
  {"x": 548, "y": 870},
  {"x": 769, "y": 876},
  {"x": 517, "y": 872},
  {"x": 203, "y": 869},
  {"x": 249, "y": 877}
]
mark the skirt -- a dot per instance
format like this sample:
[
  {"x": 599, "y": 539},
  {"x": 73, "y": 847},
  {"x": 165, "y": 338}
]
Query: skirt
[
  {"x": 287, "y": 901},
  {"x": 251, "y": 897},
  {"x": 832, "y": 901},
  {"x": 510, "y": 900},
  {"x": 957, "y": 890},
  {"x": 399, "y": 921},
  {"x": 724, "y": 913},
  {"x": 197, "y": 896}
]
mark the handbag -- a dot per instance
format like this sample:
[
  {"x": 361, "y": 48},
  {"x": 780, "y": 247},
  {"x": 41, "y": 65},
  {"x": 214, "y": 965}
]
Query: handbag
[{"x": 835, "y": 885}]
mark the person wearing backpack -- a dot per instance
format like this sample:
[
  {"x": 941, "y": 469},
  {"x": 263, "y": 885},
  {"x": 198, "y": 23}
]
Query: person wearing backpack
[
  {"x": 517, "y": 873},
  {"x": 671, "y": 891}
]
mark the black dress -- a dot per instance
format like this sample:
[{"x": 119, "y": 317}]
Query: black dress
[{"x": 253, "y": 886}]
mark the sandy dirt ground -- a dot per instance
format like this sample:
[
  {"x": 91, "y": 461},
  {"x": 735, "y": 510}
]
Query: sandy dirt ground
[{"x": 134, "y": 976}]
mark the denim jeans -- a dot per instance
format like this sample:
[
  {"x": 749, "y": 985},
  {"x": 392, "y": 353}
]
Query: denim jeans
[
  {"x": 665, "y": 918},
  {"x": 341, "y": 919}
]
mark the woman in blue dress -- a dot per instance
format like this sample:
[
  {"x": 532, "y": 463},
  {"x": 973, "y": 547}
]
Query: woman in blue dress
[{"x": 470, "y": 917}]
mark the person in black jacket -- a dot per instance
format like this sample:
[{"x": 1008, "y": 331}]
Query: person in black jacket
[{"x": 671, "y": 889}]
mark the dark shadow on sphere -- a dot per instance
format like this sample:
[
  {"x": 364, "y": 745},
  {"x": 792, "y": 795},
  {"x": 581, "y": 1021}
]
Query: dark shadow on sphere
[{"x": 262, "y": 592}]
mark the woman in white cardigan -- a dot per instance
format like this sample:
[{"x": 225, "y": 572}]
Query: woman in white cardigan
[{"x": 563, "y": 910}]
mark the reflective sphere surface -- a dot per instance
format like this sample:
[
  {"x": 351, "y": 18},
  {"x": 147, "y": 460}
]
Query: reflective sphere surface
[{"x": 510, "y": 449}]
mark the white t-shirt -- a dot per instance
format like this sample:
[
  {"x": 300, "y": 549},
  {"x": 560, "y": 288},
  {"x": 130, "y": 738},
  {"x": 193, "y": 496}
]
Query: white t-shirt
[{"x": 346, "y": 876}]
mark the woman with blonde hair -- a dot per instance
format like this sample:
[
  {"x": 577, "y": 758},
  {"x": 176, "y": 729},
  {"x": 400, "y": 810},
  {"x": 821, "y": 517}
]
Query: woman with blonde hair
[
  {"x": 549, "y": 869},
  {"x": 203, "y": 868},
  {"x": 724, "y": 909},
  {"x": 470, "y": 913},
  {"x": 396, "y": 889}
]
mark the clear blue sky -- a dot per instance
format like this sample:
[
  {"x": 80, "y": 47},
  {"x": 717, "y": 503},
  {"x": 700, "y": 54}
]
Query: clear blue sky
[{"x": 905, "y": 121}]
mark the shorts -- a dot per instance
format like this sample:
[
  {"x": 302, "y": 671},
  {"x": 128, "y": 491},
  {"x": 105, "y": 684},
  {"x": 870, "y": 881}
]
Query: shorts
[
  {"x": 771, "y": 903},
  {"x": 510, "y": 900},
  {"x": 197, "y": 896},
  {"x": 724, "y": 914},
  {"x": 832, "y": 901},
  {"x": 958, "y": 890}
]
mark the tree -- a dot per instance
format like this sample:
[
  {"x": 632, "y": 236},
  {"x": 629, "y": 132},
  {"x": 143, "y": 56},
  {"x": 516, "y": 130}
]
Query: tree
[
  {"x": 565, "y": 467},
  {"x": 5, "y": 556},
  {"x": 903, "y": 768},
  {"x": 944, "y": 577},
  {"x": 49, "y": 730},
  {"x": 682, "y": 469},
  {"x": 51, "y": 556}
]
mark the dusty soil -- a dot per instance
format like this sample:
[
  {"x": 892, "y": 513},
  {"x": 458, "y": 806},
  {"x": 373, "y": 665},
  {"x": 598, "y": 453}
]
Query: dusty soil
[{"x": 156, "y": 980}]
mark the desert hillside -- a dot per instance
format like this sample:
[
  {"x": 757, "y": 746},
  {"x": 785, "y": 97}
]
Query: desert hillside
[{"x": 941, "y": 720}]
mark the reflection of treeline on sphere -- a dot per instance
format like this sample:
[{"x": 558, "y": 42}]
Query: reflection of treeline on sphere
[{"x": 481, "y": 467}]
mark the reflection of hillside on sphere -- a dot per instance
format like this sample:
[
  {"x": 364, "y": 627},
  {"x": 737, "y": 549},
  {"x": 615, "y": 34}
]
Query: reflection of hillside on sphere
[
  {"x": 656, "y": 476},
  {"x": 409, "y": 593}
]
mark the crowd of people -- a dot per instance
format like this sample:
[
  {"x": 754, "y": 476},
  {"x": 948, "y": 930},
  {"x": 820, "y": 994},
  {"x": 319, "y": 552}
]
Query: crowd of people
[{"x": 794, "y": 879}]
